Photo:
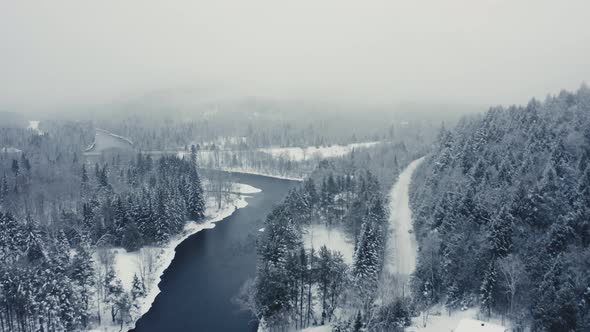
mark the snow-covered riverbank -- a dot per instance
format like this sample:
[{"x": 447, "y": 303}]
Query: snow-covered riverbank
[
  {"x": 252, "y": 171},
  {"x": 127, "y": 265}
]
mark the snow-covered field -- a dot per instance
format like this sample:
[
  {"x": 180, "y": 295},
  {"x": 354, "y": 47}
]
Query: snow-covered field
[
  {"x": 34, "y": 125},
  {"x": 244, "y": 189},
  {"x": 400, "y": 251},
  {"x": 206, "y": 158},
  {"x": 255, "y": 172},
  {"x": 318, "y": 235},
  {"x": 127, "y": 264},
  {"x": 310, "y": 152},
  {"x": 104, "y": 140},
  {"x": 323, "y": 328}
]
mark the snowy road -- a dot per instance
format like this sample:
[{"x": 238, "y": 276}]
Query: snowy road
[{"x": 400, "y": 252}]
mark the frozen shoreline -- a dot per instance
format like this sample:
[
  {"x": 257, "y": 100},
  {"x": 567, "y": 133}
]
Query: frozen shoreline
[
  {"x": 253, "y": 172},
  {"x": 165, "y": 256}
]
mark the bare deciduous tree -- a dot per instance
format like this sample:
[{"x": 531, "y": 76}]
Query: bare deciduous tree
[{"x": 513, "y": 272}]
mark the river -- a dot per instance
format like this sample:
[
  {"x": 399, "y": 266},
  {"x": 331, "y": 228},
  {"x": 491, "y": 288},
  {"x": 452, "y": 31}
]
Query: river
[{"x": 210, "y": 267}]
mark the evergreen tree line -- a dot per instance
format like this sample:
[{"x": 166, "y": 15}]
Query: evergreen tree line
[
  {"x": 162, "y": 196},
  {"x": 48, "y": 279},
  {"x": 38, "y": 177},
  {"x": 298, "y": 288},
  {"x": 502, "y": 215},
  {"x": 43, "y": 286}
]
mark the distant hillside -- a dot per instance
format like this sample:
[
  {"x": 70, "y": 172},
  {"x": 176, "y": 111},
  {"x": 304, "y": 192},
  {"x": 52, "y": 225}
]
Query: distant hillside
[
  {"x": 502, "y": 213},
  {"x": 12, "y": 120}
]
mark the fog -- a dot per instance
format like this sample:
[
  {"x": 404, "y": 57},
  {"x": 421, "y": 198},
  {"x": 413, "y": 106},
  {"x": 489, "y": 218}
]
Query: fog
[{"x": 73, "y": 52}]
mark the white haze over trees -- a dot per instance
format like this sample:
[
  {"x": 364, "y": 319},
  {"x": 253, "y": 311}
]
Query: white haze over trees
[
  {"x": 74, "y": 53},
  {"x": 127, "y": 126}
]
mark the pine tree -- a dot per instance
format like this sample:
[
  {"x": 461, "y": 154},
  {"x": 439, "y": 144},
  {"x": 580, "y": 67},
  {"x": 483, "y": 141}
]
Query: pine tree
[
  {"x": 15, "y": 167},
  {"x": 358, "y": 323},
  {"x": 324, "y": 277},
  {"x": 131, "y": 237},
  {"x": 196, "y": 200},
  {"x": 113, "y": 291},
  {"x": 3, "y": 189},
  {"x": 582, "y": 207},
  {"x": 555, "y": 309},
  {"x": 453, "y": 297},
  {"x": 488, "y": 288},
  {"x": 62, "y": 249},
  {"x": 193, "y": 160},
  {"x": 137, "y": 288},
  {"x": 83, "y": 276},
  {"x": 103, "y": 177},
  {"x": 162, "y": 231},
  {"x": 120, "y": 220},
  {"x": 500, "y": 235},
  {"x": 34, "y": 245},
  {"x": 367, "y": 262},
  {"x": 16, "y": 171},
  {"x": 85, "y": 178}
]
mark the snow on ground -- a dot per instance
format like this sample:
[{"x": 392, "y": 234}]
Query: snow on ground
[
  {"x": 34, "y": 125},
  {"x": 104, "y": 140},
  {"x": 10, "y": 149},
  {"x": 123, "y": 138},
  {"x": 222, "y": 141},
  {"x": 127, "y": 264},
  {"x": 299, "y": 154},
  {"x": 400, "y": 252},
  {"x": 469, "y": 320},
  {"x": 248, "y": 170},
  {"x": 472, "y": 325},
  {"x": 323, "y": 328},
  {"x": 204, "y": 158},
  {"x": 244, "y": 189},
  {"x": 318, "y": 235}
]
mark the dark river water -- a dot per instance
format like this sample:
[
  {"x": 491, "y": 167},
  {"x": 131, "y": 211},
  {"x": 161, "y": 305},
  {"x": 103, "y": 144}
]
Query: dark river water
[{"x": 210, "y": 267}]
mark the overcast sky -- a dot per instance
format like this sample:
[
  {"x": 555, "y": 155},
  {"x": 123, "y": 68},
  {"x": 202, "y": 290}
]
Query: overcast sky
[{"x": 55, "y": 52}]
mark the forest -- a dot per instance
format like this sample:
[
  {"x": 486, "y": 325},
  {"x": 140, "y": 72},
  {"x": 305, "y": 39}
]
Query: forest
[
  {"x": 295, "y": 166},
  {"x": 61, "y": 212},
  {"x": 296, "y": 286},
  {"x": 501, "y": 211}
]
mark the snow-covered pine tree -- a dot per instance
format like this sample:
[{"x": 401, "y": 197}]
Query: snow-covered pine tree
[
  {"x": 500, "y": 233},
  {"x": 195, "y": 204},
  {"x": 582, "y": 207},
  {"x": 113, "y": 292},
  {"x": 120, "y": 220},
  {"x": 84, "y": 279},
  {"x": 137, "y": 288},
  {"x": 162, "y": 231},
  {"x": 367, "y": 262},
  {"x": 488, "y": 288}
]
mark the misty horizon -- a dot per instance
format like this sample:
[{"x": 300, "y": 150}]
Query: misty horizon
[{"x": 73, "y": 54}]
